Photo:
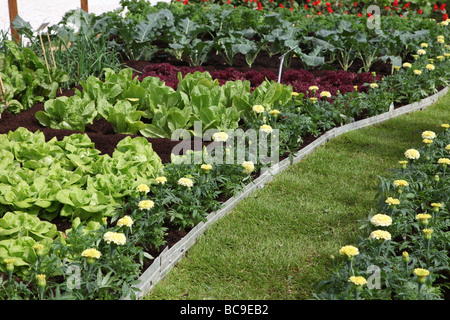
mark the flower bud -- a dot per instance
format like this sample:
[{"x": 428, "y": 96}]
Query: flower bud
[
  {"x": 41, "y": 280},
  {"x": 405, "y": 256}
]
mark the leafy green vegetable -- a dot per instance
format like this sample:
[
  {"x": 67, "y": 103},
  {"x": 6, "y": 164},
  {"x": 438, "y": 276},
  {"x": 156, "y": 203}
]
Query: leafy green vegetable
[{"x": 71, "y": 113}]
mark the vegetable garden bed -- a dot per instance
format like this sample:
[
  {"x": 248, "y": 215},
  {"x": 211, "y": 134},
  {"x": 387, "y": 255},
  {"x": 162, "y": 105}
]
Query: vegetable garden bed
[{"x": 106, "y": 143}]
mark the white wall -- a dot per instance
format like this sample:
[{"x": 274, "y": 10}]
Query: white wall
[{"x": 39, "y": 11}]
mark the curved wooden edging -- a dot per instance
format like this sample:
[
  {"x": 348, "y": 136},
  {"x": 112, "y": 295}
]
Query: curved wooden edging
[{"x": 169, "y": 257}]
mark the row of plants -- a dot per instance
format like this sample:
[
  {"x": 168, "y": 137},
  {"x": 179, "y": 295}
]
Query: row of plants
[
  {"x": 401, "y": 8},
  {"x": 196, "y": 33},
  {"x": 124, "y": 101},
  {"x": 146, "y": 105},
  {"x": 26, "y": 79},
  {"x": 316, "y": 44},
  {"x": 102, "y": 42},
  {"x": 300, "y": 80},
  {"x": 402, "y": 253},
  {"x": 79, "y": 225}
]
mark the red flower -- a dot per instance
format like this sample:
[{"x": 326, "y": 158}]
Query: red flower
[
  {"x": 355, "y": 4},
  {"x": 395, "y": 4},
  {"x": 308, "y": 1},
  {"x": 444, "y": 17},
  {"x": 328, "y": 4},
  {"x": 442, "y": 6},
  {"x": 185, "y": 2},
  {"x": 319, "y": 13},
  {"x": 369, "y": 14},
  {"x": 330, "y": 10},
  {"x": 346, "y": 12},
  {"x": 420, "y": 11},
  {"x": 387, "y": 8},
  {"x": 306, "y": 7},
  {"x": 291, "y": 9},
  {"x": 228, "y": 1},
  {"x": 359, "y": 14},
  {"x": 281, "y": 5},
  {"x": 435, "y": 7}
]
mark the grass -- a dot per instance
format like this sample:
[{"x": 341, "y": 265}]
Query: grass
[{"x": 277, "y": 243}]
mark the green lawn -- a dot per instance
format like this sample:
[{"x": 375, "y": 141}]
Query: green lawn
[{"x": 277, "y": 243}]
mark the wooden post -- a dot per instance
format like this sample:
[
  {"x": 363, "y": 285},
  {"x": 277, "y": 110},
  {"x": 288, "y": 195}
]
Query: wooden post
[
  {"x": 84, "y": 5},
  {"x": 13, "y": 11}
]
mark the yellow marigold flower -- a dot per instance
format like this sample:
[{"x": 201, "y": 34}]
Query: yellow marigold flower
[
  {"x": 412, "y": 154},
  {"x": 294, "y": 94},
  {"x": 424, "y": 45},
  {"x": 91, "y": 253},
  {"x": 430, "y": 67},
  {"x": 146, "y": 204},
  {"x": 423, "y": 216},
  {"x": 266, "y": 128},
  {"x": 115, "y": 237},
  {"x": 401, "y": 183},
  {"x": 313, "y": 88},
  {"x": 355, "y": 87},
  {"x": 440, "y": 58},
  {"x": 431, "y": 60},
  {"x": 186, "y": 182},
  {"x": 421, "y": 272},
  {"x": 444, "y": 161},
  {"x": 436, "y": 205},
  {"x": 381, "y": 220},
  {"x": 447, "y": 55},
  {"x": 325, "y": 94},
  {"x": 143, "y": 188},
  {"x": 428, "y": 135},
  {"x": 161, "y": 180},
  {"x": 349, "y": 251},
  {"x": 206, "y": 167},
  {"x": 421, "y": 52},
  {"x": 427, "y": 141},
  {"x": 445, "y": 125},
  {"x": 357, "y": 280},
  {"x": 407, "y": 65},
  {"x": 447, "y": 147},
  {"x": 427, "y": 233},
  {"x": 313, "y": 99},
  {"x": 125, "y": 221},
  {"x": 392, "y": 201},
  {"x": 274, "y": 112},
  {"x": 380, "y": 235},
  {"x": 248, "y": 166},
  {"x": 417, "y": 72},
  {"x": 258, "y": 108},
  {"x": 415, "y": 56},
  {"x": 440, "y": 40},
  {"x": 220, "y": 136},
  {"x": 373, "y": 85}
]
